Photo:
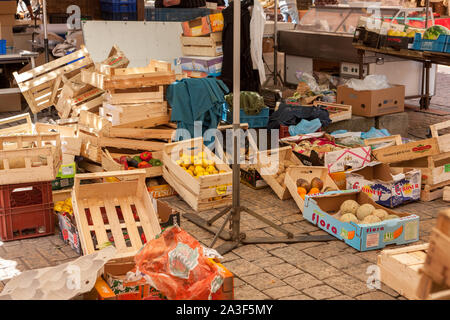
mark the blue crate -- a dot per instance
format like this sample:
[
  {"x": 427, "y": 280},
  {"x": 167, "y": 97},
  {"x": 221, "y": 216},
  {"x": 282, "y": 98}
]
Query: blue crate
[
  {"x": 447, "y": 45},
  {"x": 122, "y": 16},
  {"x": 2, "y": 47},
  {"x": 118, "y": 7},
  {"x": 257, "y": 121},
  {"x": 175, "y": 14},
  {"x": 437, "y": 45}
]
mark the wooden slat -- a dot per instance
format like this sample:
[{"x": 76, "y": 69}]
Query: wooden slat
[
  {"x": 132, "y": 229},
  {"x": 99, "y": 226},
  {"x": 114, "y": 223},
  {"x": 81, "y": 219}
]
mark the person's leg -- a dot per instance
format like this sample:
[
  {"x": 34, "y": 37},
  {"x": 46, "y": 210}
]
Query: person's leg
[
  {"x": 284, "y": 12},
  {"x": 293, "y": 12}
]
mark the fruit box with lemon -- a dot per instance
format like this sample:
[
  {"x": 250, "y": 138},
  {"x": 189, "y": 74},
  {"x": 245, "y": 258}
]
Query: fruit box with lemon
[
  {"x": 197, "y": 175},
  {"x": 386, "y": 189},
  {"x": 324, "y": 211}
]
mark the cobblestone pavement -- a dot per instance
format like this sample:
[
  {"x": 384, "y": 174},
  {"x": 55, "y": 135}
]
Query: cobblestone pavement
[{"x": 311, "y": 270}]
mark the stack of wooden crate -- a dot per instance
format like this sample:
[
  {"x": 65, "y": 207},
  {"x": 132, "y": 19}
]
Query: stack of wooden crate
[{"x": 134, "y": 116}]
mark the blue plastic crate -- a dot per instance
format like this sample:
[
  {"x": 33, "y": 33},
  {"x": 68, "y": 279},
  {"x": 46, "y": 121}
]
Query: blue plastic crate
[
  {"x": 256, "y": 121},
  {"x": 2, "y": 46},
  {"x": 118, "y": 6},
  {"x": 175, "y": 14},
  {"x": 122, "y": 16},
  {"x": 437, "y": 45},
  {"x": 447, "y": 45}
]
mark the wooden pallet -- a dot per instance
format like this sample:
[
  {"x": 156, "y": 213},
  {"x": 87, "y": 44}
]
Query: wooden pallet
[
  {"x": 433, "y": 192},
  {"x": 25, "y": 128},
  {"x": 444, "y": 140},
  {"x": 39, "y": 86},
  {"x": 108, "y": 197},
  {"x": 31, "y": 164},
  {"x": 109, "y": 164},
  {"x": 337, "y": 112},
  {"x": 399, "y": 268},
  {"x": 307, "y": 173},
  {"x": 198, "y": 193},
  {"x": 206, "y": 46},
  {"x": 435, "y": 280},
  {"x": 270, "y": 160}
]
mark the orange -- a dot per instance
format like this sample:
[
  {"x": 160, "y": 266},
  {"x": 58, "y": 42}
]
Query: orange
[
  {"x": 302, "y": 192},
  {"x": 313, "y": 191}
]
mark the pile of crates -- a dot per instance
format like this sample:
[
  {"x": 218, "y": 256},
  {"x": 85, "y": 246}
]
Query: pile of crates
[
  {"x": 119, "y": 10},
  {"x": 29, "y": 164}
]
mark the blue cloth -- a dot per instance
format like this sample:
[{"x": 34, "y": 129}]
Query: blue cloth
[
  {"x": 305, "y": 127},
  {"x": 197, "y": 100}
]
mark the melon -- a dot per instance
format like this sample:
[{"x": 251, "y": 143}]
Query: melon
[
  {"x": 364, "y": 211},
  {"x": 380, "y": 213},
  {"x": 349, "y": 206},
  {"x": 371, "y": 220},
  {"x": 391, "y": 216},
  {"x": 348, "y": 217}
]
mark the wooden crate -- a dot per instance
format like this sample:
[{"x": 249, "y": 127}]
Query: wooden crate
[
  {"x": 157, "y": 73},
  {"x": 137, "y": 115},
  {"x": 435, "y": 274},
  {"x": 92, "y": 123},
  {"x": 407, "y": 151},
  {"x": 399, "y": 268},
  {"x": 38, "y": 85},
  {"x": 270, "y": 160},
  {"x": 23, "y": 165},
  {"x": 337, "y": 112},
  {"x": 446, "y": 195},
  {"x": 25, "y": 128},
  {"x": 389, "y": 141},
  {"x": 444, "y": 140},
  {"x": 64, "y": 131},
  {"x": 128, "y": 195},
  {"x": 165, "y": 133},
  {"x": 109, "y": 164},
  {"x": 198, "y": 193},
  {"x": 206, "y": 46},
  {"x": 307, "y": 173},
  {"x": 433, "y": 168},
  {"x": 135, "y": 95},
  {"x": 433, "y": 192}
]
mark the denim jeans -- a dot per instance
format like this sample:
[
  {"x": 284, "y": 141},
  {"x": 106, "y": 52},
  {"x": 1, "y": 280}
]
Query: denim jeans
[{"x": 289, "y": 9}]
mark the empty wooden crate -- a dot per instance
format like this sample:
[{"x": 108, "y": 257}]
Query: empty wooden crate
[{"x": 121, "y": 213}]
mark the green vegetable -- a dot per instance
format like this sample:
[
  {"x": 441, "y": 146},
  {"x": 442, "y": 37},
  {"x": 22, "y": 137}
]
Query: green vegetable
[
  {"x": 155, "y": 162},
  {"x": 432, "y": 33},
  {"x": 137, "y": 158}
]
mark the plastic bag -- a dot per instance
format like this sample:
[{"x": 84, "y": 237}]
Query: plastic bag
[
  {"x": 371, "y": 82},
  {"x": 375, "y": 133},
  {"x": 309, "y": 80},
  {"x": 175, "y": 264},
  {"x": 305, "y": 127}
]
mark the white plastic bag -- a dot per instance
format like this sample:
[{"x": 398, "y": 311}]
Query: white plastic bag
[{"x": 371, "y": 82}]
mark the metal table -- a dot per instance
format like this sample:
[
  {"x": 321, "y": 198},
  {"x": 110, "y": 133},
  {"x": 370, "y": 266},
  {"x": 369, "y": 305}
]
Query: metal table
[{"x": 426, "y": 57}]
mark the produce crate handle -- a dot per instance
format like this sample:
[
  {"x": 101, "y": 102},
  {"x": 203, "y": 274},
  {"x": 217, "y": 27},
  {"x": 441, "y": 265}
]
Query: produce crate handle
[
  {"x": 434, "y": 128},
  {"x": 139, "y": 173},
  {"x": 395, "y": 138}
]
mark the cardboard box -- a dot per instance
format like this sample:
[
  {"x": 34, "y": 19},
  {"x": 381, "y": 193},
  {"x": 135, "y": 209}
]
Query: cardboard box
[
  {"x": 11, "y": 100},
  {"x": 371, "y": 103},
  {"x": 322, "y": 212},
  {"x": 341, "y": 160},
  {"x": 69, "y": 233},
  {"x": 339, "y": 179},
  {"x": 161, "y": 189},
  {"x": 384, "y": 188},
  {"x": 6, "y": 33},
  {"x": 253, "y": 179},
  {"x": 7, "y": 19},
  {"x": 167, "y": 215},
  {"x": 209, "y": 65},
  {"x": 8, "y": 7},
  {"x": 203, "y": 26}
]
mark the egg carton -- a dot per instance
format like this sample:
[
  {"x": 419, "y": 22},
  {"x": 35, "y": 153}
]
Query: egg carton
[{"x": 62, "y": 282}]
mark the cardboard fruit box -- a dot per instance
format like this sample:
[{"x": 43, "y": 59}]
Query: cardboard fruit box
[
  {"x": 371, "y": 103},
  {"x": 383, "y": 187},
  {"x": 323, "y": 210},
  {"x": 307, "y": 173},
  {"x": 203, "y": 25}
]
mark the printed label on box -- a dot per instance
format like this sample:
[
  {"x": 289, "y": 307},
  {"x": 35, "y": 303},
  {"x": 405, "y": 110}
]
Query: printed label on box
[
  {"x": 447, "y": 167},
  {"x": 411, "y": 230},
  {"x": 372, "y": 240}
]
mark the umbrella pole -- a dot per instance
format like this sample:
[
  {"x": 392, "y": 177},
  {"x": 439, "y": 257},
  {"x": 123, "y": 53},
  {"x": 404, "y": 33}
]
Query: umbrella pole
[{"x": 44, "y": 22}]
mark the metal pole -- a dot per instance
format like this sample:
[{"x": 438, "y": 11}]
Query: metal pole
[
  {"x": 275, "y": 44},
  {"x": 236, "y": 216},
  {"x": 44, "y": 22},
  {"x": 427, "y": 5}
]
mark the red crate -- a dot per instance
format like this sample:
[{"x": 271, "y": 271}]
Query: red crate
[
  {"x": 27, "y": 222},
  {"x": 25, "y": 194},
  {"x": 284, "y": 131},
  {"x": 26, "y": 211}
]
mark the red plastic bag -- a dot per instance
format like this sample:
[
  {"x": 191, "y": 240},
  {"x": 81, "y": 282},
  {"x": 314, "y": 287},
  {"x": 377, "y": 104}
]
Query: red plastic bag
[{"x": 177, "y": 267}]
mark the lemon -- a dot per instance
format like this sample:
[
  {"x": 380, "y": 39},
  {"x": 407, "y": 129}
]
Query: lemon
[
  {"x": 222, "y": 171},
  {"x": 190, "y": 172},
  {"x": 411, "y": 34},
  {"x": 210, "y": 169},
  {"x": 191, "y": 168},
  {"x": 68, "y": 201},
  {"x": 205, "y": 163},
  {"x": 391, "y": 32},
  {"x": 179, "y": 162},
  {"x": 202, "y": 155}
]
